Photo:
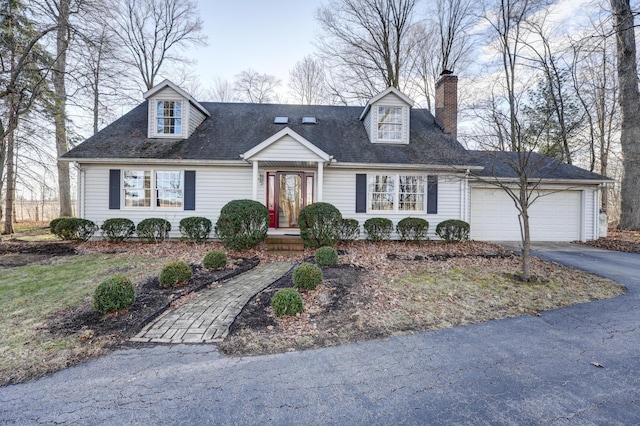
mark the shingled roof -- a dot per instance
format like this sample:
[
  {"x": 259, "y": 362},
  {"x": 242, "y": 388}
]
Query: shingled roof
[
  {"x": 234, "y": 128},
  {"x": 503, "y": 164}
]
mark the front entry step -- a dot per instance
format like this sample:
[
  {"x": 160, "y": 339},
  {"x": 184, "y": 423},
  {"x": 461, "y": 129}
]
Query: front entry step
[{"x": 285, "y": 244}]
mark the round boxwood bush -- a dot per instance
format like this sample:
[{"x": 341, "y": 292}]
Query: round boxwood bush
[
  {"x": 74, "y": 228},
  {"x": 326, "y": 256},
  {"x": 287, "y": 301},
  {"x": 349, "y": 229},
  {"x": 195, "y": 228},
  {"x": 215, "y": 259},
  {"x": 307, "y": 276},
  {"x": 174, "y": 273},
  {"x": 117, "y": 229},
  {"x": 453, "y": 230},
  {"x": 242, "y": 224},
  {"x": 378, "y": 228},
  {"x": 320, "y": 225},
  {"x": 54, "y": 223},
  {"x": 153, "y": 229},
  {"x": 115, "y": 294},
  {"x": 412, "y": 229}
]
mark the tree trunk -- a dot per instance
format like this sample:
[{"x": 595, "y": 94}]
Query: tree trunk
[
  {"x": 11, "y": 190},
  {"x": 629, "y": 106},
  {"x": 59, "y": 113},
  {"x": 526, "y": 233}
]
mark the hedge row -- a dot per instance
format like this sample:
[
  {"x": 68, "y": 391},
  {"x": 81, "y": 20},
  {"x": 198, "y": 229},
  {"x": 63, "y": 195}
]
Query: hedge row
[{"x": 244, "y": 223}]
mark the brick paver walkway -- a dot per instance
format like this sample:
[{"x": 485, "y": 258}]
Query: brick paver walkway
[{"x": 207, "y": 317}]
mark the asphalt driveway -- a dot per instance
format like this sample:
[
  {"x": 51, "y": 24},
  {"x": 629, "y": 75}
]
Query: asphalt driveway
[{"x": 526, "y": 370}]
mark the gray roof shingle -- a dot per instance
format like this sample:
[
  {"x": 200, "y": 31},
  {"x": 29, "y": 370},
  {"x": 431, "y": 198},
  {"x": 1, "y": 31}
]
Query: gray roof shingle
[{"x": 235, "y": 128}]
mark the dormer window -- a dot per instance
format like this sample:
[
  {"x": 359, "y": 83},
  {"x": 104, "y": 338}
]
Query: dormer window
[
  {"x": 169, "y": 117},
  {"x": 389, "y": 123}
]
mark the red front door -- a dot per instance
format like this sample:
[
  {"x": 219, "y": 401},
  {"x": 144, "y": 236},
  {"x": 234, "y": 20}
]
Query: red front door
[{"x": 287, "y": 194}]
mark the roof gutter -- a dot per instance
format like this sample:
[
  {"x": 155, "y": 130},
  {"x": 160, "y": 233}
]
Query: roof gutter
[{"x": 172, "y": 161}]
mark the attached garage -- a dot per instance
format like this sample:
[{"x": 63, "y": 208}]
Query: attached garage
[{"x": 554, "y": 216}]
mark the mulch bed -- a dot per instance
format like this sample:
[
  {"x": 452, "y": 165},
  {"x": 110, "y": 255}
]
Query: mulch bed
[{"x": 151, "y": 301}]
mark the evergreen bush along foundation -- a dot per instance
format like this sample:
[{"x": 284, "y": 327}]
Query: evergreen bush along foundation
[
  {"x": 349, "y": 229},
  {"x": 378, "y": 228},
  {"x": 195, "y": 229},
  {"x": 117, "y": 229},
  {"x": 412, "y": 229},
  {"x": 153, "y": 230},
  {"x": 73, "y": 228},
  {"x": 453, "y": 230},
  {"x": 242, "y": 224},
  {"x": 320, "y": 225}
]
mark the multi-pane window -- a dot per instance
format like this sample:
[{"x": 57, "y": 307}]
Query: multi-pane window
[
  {"x": 396, "y": 193},
  {"x": 140, "y": 190},
  {"x": 169, "y": 117},
  {"x": 389, "y": 123},
  {"x": 410, "y": 193},
  {"x": 169, "y": 189},
  {"x": 137, "y": 188},
  {"x": 381, "y": 192}
]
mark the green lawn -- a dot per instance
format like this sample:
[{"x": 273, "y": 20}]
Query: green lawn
[{"x": 29, "y": 294}]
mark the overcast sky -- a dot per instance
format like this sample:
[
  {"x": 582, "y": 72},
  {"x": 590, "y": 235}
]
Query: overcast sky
[{"x": 269, "y": 36}]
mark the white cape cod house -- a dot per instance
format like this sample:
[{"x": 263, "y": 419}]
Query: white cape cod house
[{"x": 174, "y": 157}]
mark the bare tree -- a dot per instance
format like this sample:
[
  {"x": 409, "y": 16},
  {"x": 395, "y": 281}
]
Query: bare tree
[
  {"x": 623, "y": 22},
  {"x": 254, "y": 87},
  {"x": 154, "y": 30},
  {"x": 307, "y": 81},
  {"x": 368, "y": 44},
  {"x": 220, "y": 91},
  {"x": 508, "y": 23},
  {"x": 595, "y": 84}
]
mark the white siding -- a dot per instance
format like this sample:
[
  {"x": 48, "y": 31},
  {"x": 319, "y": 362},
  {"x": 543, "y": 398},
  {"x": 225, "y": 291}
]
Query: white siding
[
  {"x": 340, "y": 189},
  {"x": 195, "y": 118},
  {"x": 215, "y": 186},
  {"x": 286, "y": 148}
]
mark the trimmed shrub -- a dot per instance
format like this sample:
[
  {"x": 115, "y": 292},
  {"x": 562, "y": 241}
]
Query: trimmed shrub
[
  {"x": 215, "y": 259},
  {"x": 453, "y": 230},
  {"x": 349, "y": 229},
  {"x": 73, "y": 228},
  {"x": 287, "y": 301},
  {"x": 320, "y": 225},
  {"x": 54, "y": 223},
  {"x": 326, "y": 256},
  {"x": 307, "y": 276},
  {"x": 378, "y": 228},
  {"x": 115, "y": 294},
  {"x": 412, "y": 229},
  {"x": 242, "y": 224},
  {"x": 117, "y": 229},
  {"x": 195, "y": 228},
  {"x": 174, "y": 273},
  {"x": 153, "y": 230}
]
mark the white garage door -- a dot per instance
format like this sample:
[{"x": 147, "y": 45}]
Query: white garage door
[{"x": 555, "y": 216}]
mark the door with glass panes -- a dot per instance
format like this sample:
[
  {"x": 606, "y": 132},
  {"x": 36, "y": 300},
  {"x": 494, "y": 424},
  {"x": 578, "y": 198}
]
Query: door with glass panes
[{"x": 287, "y": 194}]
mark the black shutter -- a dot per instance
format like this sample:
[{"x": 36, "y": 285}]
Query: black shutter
[
  {"x": 189, "y": 189},
  {"x": 432, "y": 194},
  {"x": 114, "y": 189},
  {"x": 361, "y": 193}
]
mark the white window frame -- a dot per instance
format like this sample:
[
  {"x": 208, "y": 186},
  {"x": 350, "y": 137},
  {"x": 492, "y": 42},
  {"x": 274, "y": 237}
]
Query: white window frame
[
  {"x": 160, "y": 131},
  {"x": 396, "y": 193},
  {"x": 154, "y": 190},
  {"x": 397, "y": 124}
]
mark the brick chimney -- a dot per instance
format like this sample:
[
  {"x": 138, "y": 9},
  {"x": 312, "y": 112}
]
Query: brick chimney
[{"x": 447, "y": 102}]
